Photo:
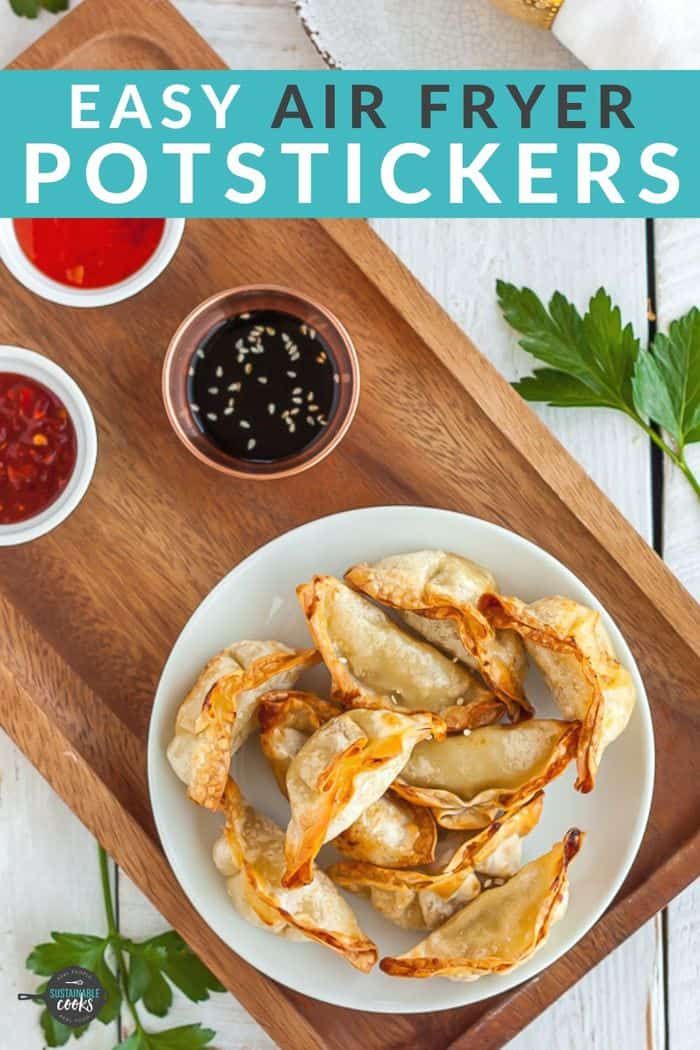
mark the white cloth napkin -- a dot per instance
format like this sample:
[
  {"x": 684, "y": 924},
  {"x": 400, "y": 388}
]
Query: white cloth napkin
[{"x": 631, "y": 34}]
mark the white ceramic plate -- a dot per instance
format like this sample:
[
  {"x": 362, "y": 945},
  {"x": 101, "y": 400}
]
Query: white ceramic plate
[
  {"x": 257, "y": 600},
  {"x": 427, "y": 34}
]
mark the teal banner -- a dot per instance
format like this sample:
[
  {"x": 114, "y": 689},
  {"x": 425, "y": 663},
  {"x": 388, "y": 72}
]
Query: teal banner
[{"x": 411, "y": 143}]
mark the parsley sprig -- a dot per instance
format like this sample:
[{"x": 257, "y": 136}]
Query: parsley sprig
[
  {"x": 32, "y": 8},
  {"x": 596, "y": 361},
  {"x": 153, "y": 966}
]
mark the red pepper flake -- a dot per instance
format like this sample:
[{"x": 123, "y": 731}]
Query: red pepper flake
[
  {"x": 89, "y": 253},
  {"x": 38, "y": 448}
]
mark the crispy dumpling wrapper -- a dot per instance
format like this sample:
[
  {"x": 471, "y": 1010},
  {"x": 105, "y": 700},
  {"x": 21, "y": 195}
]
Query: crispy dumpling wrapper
[
  {"x": 218, "y": 713},
  {"x": 499, "y": 930},
  {"x": 570, "y": 645},
  {"x": 391, "y": 832},
  {"x": 469, "y": 780},
  {"x": 375, "y": 663},
  {"x": 340, "y": 771},
  {"x": 426, "y": 899},
  {"x": 287, "y": 718},
  {"x": 438, "y": 593},
  {"x": 250, "y": 853}
]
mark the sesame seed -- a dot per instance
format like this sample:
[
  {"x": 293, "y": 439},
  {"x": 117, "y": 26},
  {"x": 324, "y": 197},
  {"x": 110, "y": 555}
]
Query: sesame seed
[
  {"x": 228, "y": 411},
  {"x": 195, "y": 408},
  {"x": 200, "y": 352},
  {"x": 239, "y": 359},
  {"x": 271, "y": 408},
  {"x": 251, "y": 444},
  {"x": 313, "y": 408},
  {"x": 297, "y": 401},
  {"x": 234, "y": 387},
  {"x": 292, "y": 428},
  {"x": 310, "y": 396},
  {"x": 466, "y": 732},
  {"x": 245, "y": 317},
  {"x": 460, "y": 701},
  {"x": 248, "y": 369},
  {"x": 190, "y": 371},
  {"x": 262, "y": 379},
  {"x": 292, "y": 375},
  {"x": 219, "y": 371},
  {"x": 336, "y": 377},
  {"x": 213, "y": 390},
  {"x": 310, "y": 420},
  {"x": 295, "y": 412},
  {"x": 312, "y": 333},
  {"x": 271, "y": 331},
  {"x": 296, "y": 390},
  {"x": 213, "y": 416},
  {"x": 244, "y": 423},
  {"x": 321, "y": 420}
]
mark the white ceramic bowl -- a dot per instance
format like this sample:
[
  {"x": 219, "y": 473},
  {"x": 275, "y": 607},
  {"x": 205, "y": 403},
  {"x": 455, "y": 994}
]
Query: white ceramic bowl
[
  {"x": 257, "y": 600},
  {"x": 36, "y": 366},
  {"x": 20, "y": 267}
]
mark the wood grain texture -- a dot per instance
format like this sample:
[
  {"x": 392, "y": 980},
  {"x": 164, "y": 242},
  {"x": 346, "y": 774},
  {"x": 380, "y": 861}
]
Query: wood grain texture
[{"x": 119, "y": 448}]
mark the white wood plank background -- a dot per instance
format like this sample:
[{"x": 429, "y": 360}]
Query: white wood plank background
[{"x": 626, "y": 1003}]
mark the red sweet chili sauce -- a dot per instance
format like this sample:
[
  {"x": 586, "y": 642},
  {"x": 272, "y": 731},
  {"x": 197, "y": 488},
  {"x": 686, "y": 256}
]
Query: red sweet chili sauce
[
  {"x": 89, "y": 253},
  {"x": 37, "y": 448}
]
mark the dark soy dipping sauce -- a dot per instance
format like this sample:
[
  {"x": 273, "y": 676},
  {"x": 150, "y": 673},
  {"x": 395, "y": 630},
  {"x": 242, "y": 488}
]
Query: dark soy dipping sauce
[{"x": 262, "y": 386}]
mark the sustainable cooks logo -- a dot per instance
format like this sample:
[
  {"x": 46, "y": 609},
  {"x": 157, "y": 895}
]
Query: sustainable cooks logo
[{"x": 73, "y": 996}]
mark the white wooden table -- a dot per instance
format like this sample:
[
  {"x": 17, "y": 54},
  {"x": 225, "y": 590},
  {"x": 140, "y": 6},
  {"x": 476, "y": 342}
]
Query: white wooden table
[{"x": 645, "y": 995}]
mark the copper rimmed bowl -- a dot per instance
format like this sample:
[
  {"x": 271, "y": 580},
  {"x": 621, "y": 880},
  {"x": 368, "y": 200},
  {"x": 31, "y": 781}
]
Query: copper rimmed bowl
[{"x": 208, "y": 316}]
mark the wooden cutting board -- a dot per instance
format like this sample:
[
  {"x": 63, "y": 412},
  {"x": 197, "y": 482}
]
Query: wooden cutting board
[{"x": 89, "y": 613}]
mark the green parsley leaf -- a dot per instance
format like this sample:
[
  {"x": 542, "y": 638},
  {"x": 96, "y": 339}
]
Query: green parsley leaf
[
  {"x": 595, "y": 351},
  {"x": 187, "y": 1037},
  {"x": 31, "y": 8},
  {"x": 595, "y": 361},
  {"x": 79, "y": 949},
  {"x": 557, "y": 389},
  {"x": 146, "y": 981},
  {"x": 667, "y": 380},
  {"x": 551, "y": 337},
  {"x": 25, "y": 9},
  {"x": 66, "y": 949},
  {"x": 167, "y": 955}
]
